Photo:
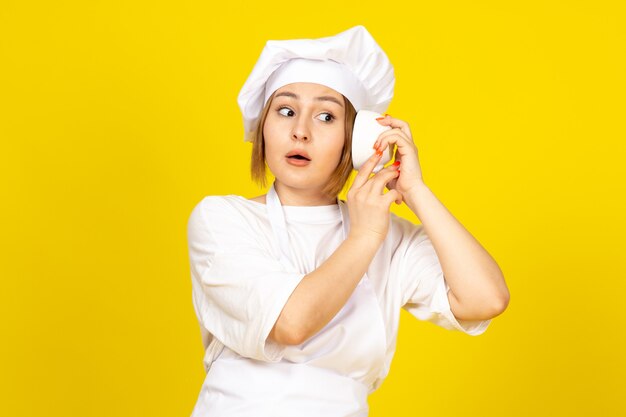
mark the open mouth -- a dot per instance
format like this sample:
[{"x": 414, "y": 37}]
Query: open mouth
[{"x": 299, "y": 155}]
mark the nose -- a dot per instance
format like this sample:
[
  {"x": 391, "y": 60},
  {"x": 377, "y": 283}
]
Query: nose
[
  {"x": 301, "y": 130},
  {"x": 299, "y": 136}
]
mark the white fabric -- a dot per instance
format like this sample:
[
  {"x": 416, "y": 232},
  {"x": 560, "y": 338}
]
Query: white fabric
[
  {"x": 335, "y": 368},
  {"x": 240, "y": 287},
  {"x": 350, "y": 62},
  {"x": 329, "y": 73}
]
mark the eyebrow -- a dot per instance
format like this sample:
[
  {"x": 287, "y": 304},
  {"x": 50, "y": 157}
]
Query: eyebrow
[{"x": 321, "y": 98}]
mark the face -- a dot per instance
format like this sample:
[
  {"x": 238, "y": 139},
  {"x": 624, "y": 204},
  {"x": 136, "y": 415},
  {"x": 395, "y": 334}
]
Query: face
[{"x": 304, "y": 135}]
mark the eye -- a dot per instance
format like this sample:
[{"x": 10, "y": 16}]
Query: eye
[
  {"x": 286, "y": 111},
  {"x": 327, "y": 117}
]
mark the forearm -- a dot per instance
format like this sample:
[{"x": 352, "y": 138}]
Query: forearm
[
  {"x": 475, "y": 279},
  {"x": 322, "y": 293}
]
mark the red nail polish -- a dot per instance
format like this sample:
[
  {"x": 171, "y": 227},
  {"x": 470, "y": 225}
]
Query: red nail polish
[
  {"x": 379, "y": 118},
  {"x": 397, "y": 163},
  {"x": 379, "y": 152}
]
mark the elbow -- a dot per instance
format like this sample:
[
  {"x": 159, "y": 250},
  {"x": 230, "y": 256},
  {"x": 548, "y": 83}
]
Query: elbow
[
  {"x": 288, "y": 334},
  {"x": 291, "y": 338},
  {"x": 499, "y": 298},
  {"x": 500, "y": 303}
]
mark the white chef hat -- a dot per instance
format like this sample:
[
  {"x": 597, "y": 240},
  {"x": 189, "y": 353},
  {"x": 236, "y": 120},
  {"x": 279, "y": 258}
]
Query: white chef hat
[{"x": 350, "y": 63}]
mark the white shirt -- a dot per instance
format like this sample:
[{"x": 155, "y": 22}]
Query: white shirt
[{"x": 240, "y": 288}]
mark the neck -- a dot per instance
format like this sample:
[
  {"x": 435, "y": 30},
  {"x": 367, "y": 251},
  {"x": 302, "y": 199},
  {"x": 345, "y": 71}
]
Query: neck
[{"x": 295, "y": 197}]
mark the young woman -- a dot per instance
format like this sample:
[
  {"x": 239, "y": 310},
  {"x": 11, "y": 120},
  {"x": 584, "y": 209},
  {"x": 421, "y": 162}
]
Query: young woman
[{"x": 298, "y": 293}]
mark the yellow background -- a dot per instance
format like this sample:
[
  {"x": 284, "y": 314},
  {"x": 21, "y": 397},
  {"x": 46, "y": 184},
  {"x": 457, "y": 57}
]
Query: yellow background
[{"x": 117, "y": 117}]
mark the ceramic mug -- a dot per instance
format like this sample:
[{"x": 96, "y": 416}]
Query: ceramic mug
[{"x": 364, "y": 135}]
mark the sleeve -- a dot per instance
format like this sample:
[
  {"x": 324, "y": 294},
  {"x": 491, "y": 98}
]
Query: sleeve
[
  {"x": 239, "y": 287},
  {"x": 424, "y": 288}
]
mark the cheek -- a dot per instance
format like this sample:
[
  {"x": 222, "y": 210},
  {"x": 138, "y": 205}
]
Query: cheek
[
  {"x": 339, "y": 141},
  {"x": 334, "y": 152},
  {"x": 269, "y": 135}
]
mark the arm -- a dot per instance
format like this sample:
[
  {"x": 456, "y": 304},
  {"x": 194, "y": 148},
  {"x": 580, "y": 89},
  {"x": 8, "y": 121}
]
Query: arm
[
  {"x": 477, "y": 287},
  {"x": 321, "y": 294}
]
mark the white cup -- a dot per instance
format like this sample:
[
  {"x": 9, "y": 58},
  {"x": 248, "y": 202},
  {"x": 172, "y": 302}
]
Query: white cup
[{"x": 364, "y": 135}]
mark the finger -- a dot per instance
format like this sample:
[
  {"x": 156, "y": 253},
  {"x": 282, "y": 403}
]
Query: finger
[
  {"x": 382, "y": 138},
  {"x": 395, "y": 123},
  {"x": 380, "y": 180},
  {"x": 394, "y": 132},
  {"x": 391, "y": 196},
  {"x": 366, "y": 169},
  {"x": 392, "y": 184},
  {"x": 403, "y": 147}
]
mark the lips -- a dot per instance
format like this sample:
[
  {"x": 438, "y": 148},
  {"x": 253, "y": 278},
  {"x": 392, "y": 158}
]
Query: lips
[
  {"x": 298, "y": 154},
  {"x": 298, "y": 158}
]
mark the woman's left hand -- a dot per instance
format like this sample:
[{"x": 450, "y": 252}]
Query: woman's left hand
[{"x": 406, "y": 153}]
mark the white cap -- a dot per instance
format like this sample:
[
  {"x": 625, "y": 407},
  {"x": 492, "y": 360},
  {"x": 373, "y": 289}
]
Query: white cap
[{"x": 350, "y": 63}]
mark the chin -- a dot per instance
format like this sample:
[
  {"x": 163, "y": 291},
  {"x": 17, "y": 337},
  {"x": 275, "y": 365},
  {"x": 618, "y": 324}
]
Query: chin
[
  {"x": 300, "y": 179},
  {"x": 300, "y": 182}
]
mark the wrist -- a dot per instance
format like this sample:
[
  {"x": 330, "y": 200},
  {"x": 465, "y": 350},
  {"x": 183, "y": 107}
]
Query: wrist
[
  {"x": 365, "y": 239},
  {"x": 413, "y": 196}
]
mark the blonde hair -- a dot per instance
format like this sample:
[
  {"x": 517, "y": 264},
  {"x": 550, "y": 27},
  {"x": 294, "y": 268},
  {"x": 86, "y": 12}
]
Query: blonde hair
[{"x": 341, "y": 174}]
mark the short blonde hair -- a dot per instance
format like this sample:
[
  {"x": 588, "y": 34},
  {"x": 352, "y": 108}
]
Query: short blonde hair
[{"x": 337, "y": 180}]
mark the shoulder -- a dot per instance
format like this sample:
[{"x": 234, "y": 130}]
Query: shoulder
[
  {"x": 404, "y": 228},
  {"x": 407, "y": 237},
  {"x": 208, "y": 205},
  {"x": 216, "y": 206},
  {"x": 229, "y": 223},
  {"x": 218, "y": 203},
  {"x": 259, "y": 199},
  {"x": 224, "y": 212}
]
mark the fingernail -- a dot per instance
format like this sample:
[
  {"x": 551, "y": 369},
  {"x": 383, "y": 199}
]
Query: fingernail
[
  {"x": 375, "y": 147},
  {"x": 380, "y": 118},
  {"x": 397, "y": 163},
  {"x": 379, "y": 152}
]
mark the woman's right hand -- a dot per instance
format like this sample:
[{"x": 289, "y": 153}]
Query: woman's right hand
[{"x": 368, "y": 205}]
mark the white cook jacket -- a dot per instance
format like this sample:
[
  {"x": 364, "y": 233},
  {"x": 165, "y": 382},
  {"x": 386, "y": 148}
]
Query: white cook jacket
[{"x": 330, "y": 374}]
